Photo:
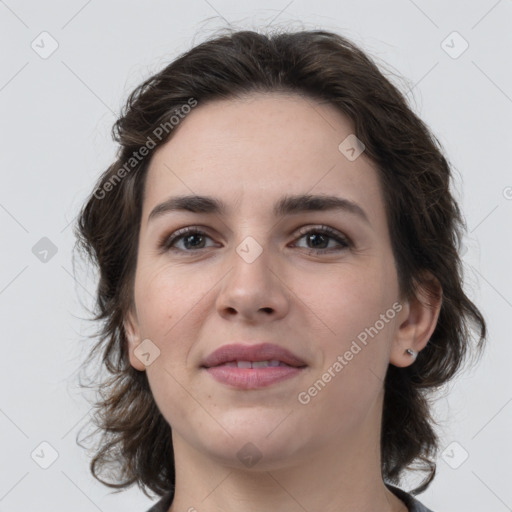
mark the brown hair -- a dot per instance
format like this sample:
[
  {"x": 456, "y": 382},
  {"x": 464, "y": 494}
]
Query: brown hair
[{"x": 426, "y": 228}]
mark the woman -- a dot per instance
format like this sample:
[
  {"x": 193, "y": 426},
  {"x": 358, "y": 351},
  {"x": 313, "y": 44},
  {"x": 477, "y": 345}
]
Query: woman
[{"x": 280, "y": 284}]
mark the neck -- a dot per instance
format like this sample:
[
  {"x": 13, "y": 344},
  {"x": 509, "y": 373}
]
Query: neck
[{"x": 332, "y": 477}]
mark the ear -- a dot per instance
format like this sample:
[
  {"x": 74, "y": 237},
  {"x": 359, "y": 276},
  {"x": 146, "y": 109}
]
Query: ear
[
  {"x": 132, "y": 332},
  {"x": 417, "y": 320}
]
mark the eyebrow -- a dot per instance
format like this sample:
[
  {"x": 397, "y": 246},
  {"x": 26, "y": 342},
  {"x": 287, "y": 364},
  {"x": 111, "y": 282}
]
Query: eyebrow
[{"x": 287, "y": 205}]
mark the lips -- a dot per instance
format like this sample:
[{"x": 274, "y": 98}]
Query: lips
[{"x": 245, "y": 356}]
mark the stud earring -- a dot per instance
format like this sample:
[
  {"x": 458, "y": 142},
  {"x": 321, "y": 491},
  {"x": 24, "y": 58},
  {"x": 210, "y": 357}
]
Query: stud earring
[{"x": 411, "y": 352}]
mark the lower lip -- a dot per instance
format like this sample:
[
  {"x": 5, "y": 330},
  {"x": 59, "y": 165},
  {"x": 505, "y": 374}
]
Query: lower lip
[{"x": 252, "y": 378}]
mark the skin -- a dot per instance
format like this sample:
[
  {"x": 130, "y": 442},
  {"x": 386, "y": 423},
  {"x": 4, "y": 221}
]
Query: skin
[{"x": 324, "y": 455}]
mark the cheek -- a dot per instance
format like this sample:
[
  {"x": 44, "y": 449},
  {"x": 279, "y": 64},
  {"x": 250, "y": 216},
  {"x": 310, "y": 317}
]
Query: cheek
[
  {"x": 163, "y": 304},
  {"x": 161, "y": 301},
  {"x": 171, "y": 306},
  {"x": 357, "y": 342},
  {"x": 354, "y": 341},
  {"x": 346, "y": 299}
]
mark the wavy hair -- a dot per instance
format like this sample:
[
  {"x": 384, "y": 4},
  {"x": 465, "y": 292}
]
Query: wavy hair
[{"x": 425, "y": 222}]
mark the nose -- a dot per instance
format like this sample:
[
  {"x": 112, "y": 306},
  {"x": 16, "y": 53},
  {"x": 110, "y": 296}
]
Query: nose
[{"x": 254, "y": 288}]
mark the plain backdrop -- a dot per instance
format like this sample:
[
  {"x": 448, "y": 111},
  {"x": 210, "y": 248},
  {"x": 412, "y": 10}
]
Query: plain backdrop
[{"x": 67, "y": 68}]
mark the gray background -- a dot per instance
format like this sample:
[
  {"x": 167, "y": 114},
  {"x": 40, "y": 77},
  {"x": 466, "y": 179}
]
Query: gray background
[{"x": 56, "y": 117}]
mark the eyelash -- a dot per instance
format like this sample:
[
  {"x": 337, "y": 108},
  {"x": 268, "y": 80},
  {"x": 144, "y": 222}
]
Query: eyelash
[{"x": 166, "y": 242}]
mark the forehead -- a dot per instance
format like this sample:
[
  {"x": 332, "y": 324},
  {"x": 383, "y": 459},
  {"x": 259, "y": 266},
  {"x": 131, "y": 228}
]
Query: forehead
[{"x": 250, "y": 152}]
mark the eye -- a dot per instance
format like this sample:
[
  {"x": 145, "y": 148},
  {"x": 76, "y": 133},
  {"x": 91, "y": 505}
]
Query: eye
[
  {"x": 188, "y": 235},
  {"x": 325, "y": 233},
  {"x": 193, "y": 238}
]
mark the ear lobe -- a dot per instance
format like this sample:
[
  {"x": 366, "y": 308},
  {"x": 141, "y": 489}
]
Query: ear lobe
[
  {"x": 418, "y": 320},
  {"x": 132, "y": 334}
]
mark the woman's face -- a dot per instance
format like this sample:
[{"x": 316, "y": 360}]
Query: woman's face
[{"x": 253, "y": 277}]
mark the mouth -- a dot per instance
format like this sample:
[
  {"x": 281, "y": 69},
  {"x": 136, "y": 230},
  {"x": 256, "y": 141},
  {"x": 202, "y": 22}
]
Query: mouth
[
  {"x": 252, "y": 377},
  {"x": 273, "y": 363},
  {"x": 263, "y": 354},
  {"x": 252, "y": 366}
]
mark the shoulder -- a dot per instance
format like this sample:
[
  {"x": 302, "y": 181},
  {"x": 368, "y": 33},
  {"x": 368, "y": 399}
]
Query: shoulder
[{"x": 411, "y": 502}]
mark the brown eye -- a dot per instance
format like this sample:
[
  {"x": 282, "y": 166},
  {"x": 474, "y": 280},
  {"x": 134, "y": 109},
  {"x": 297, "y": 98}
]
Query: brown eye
[{"x": 320, "y": 236}]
